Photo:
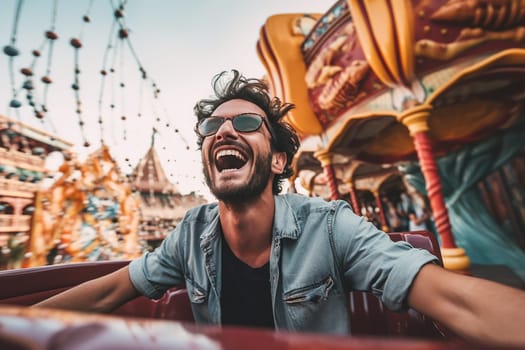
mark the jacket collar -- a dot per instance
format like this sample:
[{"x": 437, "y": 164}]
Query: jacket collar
[
  {"x": 285, "y": 222},
  {"x": 213, "y": 230}
]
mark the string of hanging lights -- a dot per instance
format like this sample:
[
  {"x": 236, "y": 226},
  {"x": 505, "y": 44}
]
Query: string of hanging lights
[
  {"x": 29, "y": 71},
  {"x": 76, "y": 43},
  {"x": 115, "y": 93},
  {"x": 12, "y": 51}
]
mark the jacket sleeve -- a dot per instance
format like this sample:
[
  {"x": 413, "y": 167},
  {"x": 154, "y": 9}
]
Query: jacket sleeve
[
  {"x": 371, "y": 261},
  {"x": 155, "y": 272}
]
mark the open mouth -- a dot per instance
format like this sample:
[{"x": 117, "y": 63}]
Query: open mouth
[{"x": 229, "y": 160}]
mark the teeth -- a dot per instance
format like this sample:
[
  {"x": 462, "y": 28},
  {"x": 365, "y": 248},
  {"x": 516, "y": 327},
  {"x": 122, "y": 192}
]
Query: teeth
[
  {"x": 230, "y": 152},
  {"x": 229, "y": 160}
]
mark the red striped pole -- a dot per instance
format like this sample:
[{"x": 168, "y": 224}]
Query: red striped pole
[
  {"x": 326, "y": 162},
  {"x": 416, "y": 120}
]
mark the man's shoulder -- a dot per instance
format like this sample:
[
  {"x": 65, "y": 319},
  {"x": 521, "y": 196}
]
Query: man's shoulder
[
  {"x": 299, "y": 202},
  {"x": 300, "y": 215}
]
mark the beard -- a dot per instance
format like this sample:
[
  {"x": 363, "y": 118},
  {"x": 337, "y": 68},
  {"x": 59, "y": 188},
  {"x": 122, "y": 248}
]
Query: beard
[{"x": 245, "y": 192}]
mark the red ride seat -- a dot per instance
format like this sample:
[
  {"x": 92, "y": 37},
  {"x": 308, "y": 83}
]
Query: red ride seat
[{"x": 367, "y": 313}]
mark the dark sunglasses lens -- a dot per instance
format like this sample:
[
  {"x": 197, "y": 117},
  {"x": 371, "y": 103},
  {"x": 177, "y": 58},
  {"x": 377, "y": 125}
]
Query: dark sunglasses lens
[
  {"x": 247, "y": 122},
  {"x": 209, "y": 126}
]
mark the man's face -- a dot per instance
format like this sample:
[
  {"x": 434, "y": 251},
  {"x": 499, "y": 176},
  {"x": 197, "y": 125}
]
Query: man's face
[{"x": 237, "y": 165}]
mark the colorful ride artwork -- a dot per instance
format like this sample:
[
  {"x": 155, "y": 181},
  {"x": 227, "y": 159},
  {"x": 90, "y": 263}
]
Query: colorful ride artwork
[{"x": 429, "y": 89}]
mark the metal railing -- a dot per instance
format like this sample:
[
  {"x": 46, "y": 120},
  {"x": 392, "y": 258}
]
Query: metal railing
[
  {"x": 18, "y": 186},
  {"x": 15, "y": 223},
  {"x": 21, "y": 158}
]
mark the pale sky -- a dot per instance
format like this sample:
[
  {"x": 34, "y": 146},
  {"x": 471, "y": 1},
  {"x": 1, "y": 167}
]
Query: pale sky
[{"x": 180, "y": 44}]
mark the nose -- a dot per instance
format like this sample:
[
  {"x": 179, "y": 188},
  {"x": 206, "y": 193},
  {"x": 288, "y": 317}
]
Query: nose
[{"x": 226, "y": 130}]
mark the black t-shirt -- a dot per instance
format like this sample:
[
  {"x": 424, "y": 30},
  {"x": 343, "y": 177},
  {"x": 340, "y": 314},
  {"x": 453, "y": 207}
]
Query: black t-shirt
[{"x": 245, "y": 295}]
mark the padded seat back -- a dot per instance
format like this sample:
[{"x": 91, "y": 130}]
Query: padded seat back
[{"x": 368, "y": 315}]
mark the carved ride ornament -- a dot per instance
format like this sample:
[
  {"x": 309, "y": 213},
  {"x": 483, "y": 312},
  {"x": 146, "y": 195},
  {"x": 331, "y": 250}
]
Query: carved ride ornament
[
  {"x": 89, "y": 214},
  {"x": 361, "y": 52},
  {"x": 480, "y": 21},
  {"x": 339, "y": 84}
]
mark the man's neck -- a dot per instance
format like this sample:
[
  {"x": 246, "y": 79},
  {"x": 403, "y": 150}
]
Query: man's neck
[{"x": 247, "y": 228}]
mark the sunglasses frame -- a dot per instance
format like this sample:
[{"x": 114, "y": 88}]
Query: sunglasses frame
[{"x": 224, "y": 119}]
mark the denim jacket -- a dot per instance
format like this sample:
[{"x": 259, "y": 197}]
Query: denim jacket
[{"x": 320, "y": 251}]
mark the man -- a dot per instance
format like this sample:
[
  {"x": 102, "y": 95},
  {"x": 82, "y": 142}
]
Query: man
[{"x": 257, "y": 258}]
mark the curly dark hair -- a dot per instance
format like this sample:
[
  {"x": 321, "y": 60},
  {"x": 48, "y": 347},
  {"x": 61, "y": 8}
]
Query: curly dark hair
[{"x": 256, "y": 91}]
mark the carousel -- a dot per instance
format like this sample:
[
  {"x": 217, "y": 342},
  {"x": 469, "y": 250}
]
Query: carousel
[{"x": 431, "y": 90}]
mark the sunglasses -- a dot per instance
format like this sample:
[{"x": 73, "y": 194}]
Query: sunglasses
[{"x": 241, "y": 123}]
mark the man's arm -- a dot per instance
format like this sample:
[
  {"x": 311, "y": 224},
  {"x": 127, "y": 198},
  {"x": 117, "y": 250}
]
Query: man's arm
[
  {"x": 477, "y": 309},
  {"x": 102, "y": 294}
]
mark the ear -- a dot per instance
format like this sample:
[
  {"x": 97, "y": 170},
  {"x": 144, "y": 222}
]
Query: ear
[{"x": 278, "y": 162}]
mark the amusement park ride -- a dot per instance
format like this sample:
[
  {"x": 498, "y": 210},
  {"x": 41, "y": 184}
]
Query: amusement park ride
[{"x": 430, "y": 91}]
